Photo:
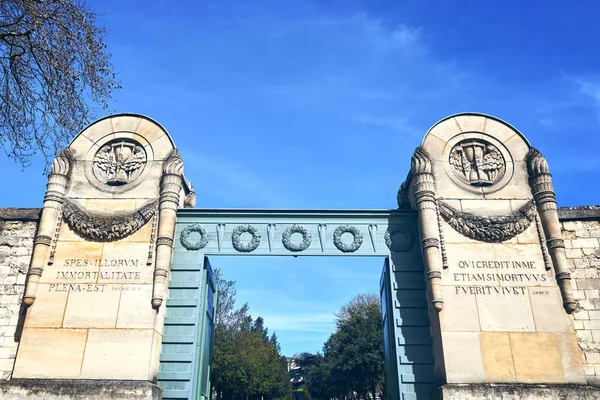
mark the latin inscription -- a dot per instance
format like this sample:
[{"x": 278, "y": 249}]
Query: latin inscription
[
  {"x": 83, "y": 262},
  {"x": 89, "y": 288},
  {"x": 105, "y": 275},
  {"x": 76, "y": 287},
  {"x": 498, "y": 273},
  {"x": 110, "y": 271}
]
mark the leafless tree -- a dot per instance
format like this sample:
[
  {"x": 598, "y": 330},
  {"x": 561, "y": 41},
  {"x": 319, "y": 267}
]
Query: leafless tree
[{"x": 55, "y": 74}]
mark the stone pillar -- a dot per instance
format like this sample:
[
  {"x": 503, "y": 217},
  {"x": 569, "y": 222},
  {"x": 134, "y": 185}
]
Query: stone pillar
[
  {"x": 51, "y": 216},
  {"x": 502, "y": 320},
  {"x": 98, "y": 277}
]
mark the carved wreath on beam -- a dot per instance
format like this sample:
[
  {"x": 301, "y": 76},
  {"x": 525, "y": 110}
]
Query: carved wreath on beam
[
  {"x": 101, "y": 228},
  {"x": 339, "y": 243},
  {"x": 398, "y": 239},
  {"x": 495, "y": 229},
  {"x": 287, "y": 235},
  {"x": 184, "y": 238},
  {"x": 236, "y": 238}
]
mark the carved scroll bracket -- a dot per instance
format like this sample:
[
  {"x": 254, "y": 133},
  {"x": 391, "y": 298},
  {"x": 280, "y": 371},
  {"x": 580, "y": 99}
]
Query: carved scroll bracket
[
  {"x": 424, "y": 193},
  {"x": 540, "y": 181},
  {"x": 51, "y": 214}
]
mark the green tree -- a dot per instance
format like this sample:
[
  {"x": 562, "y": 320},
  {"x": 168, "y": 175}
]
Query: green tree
[
  {"x": 321, "y": 380},
  {"x": 247, "y": 362},
  {"x": 54, "y": 73},
  {"x": 356, "y": 348}
]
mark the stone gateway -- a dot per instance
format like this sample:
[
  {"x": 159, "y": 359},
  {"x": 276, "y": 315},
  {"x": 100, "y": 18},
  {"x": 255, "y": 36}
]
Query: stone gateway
[{"x": 488, "y": 289}]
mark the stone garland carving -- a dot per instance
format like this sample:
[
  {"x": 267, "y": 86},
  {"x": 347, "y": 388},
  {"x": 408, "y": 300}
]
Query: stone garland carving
[
  {"x": 339, "y": 243},
  {"x": 477, "y": 162},
  {"x": 236, "y": 238},
  {"x": 295, "y": 247},
  {"x": 393, "y": 243},
  {"x": 201, "y": 243},
  {"x": 494, "y": 229},
  {"x": 119, "y": 162},
  {"x": 99, "y": 228}
]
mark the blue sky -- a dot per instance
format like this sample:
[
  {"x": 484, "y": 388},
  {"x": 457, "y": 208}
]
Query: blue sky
[{"x": 319, "y": 104}]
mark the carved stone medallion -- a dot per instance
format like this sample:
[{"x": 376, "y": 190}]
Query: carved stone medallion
[
  {"x": 477, "y": 162},
  {"x": 119, "y": 162}
]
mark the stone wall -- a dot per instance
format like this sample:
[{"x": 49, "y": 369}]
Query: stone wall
[
  {"x": 581, "y": 231},
  {"x": 17, "y": 229}
]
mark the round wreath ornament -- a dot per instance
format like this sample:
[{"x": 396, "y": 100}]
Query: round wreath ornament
[
  {"x": 287, "y": 236},
  {"x": 396, "y": 244},
  {"x": 184, "y": 238},
  {"x": 339, "y": 243},
  {"x": 236, "y": 238}
]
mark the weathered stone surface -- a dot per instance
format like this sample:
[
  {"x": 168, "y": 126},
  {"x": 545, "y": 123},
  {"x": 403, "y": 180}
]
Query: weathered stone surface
[
  {"x": 581, "y": 227},
  {"x": 17, "y": 229},
  {"x": 20, "y": 214},
  {"x": 579, "y": 213},
  {"x": 118, "y": 354},
  {"x": 50, "y": 353},
  {"x": 516, "y": 392},
  {"x": 42, "y": 389}
]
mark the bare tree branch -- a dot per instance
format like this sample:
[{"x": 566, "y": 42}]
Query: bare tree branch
[{"x": 55, "y": 74}]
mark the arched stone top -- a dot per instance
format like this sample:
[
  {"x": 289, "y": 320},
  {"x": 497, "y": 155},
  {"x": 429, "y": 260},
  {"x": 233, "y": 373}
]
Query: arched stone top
[
  {"x": 119, "y": 155},
  {"x": 452, "y": 129},
  {"x": 476, "y": 114},
  {"x": 126, "y": 125},
  {"x": 455, "y": 142}
]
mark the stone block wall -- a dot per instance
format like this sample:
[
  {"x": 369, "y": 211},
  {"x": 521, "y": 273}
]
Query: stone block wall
[
  {"x": 17, "y": 229},
  {"x": 581, "y": 231}
]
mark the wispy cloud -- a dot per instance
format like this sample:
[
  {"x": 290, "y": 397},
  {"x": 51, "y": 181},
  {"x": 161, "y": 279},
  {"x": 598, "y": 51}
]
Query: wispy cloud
[
  {"x": 229, "y": 181},
  {"x": 590, "y": 87}
]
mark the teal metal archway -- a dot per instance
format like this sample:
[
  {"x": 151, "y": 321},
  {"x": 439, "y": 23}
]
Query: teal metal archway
[{"x": 390, "y": 234}]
